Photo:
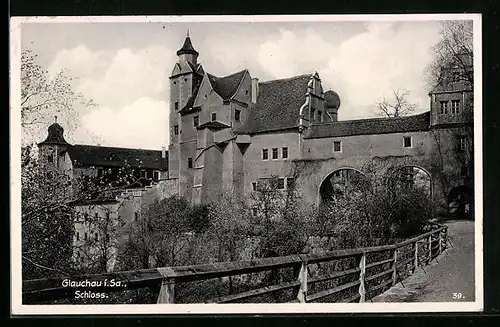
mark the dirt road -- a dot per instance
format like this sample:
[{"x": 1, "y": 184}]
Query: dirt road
[{"x": 447, "y": 279}]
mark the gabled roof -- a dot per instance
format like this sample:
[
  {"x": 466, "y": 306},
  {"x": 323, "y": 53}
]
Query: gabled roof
[
  {"x": 414, "y": 123},
  {"x": 226, "y": 86},
  {"x": 213, "y": 125},
  {"x": 100, "y": 156},
  {"x": 277, "y": 106}
]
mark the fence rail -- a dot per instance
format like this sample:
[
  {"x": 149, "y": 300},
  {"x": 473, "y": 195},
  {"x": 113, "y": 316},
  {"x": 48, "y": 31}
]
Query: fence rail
[{"x": 367, "y": 278}]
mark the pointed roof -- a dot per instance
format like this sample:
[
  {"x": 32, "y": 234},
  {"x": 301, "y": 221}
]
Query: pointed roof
[
  {"x": 226, "y": 86},
  {"x": 187, "y": 47}
]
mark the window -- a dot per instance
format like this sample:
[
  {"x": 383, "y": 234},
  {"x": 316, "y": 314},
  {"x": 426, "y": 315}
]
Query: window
[
  {"x": 290, "y": 182},
  {"x": 279, "y": 183},
  {"x": 196, "y": 121},
  {"x": 284, "y": 152},
  {"x": 190, "y": 162},
  {"x": 444, "y": 107},
  {"x": 265, "y": 154},
  {"x": 136, "y": 216},
  {"x": 320, "y": 116},
  {"x": 275, "y": 153},
  {"x": 237, "y": 114},
  {"x": 50, "y": 158},
  {"x": 455, "y": 106},
  {"x": 185, "y": 79},
  {"x": 407, "y": 141},
  {"x": 214, "y": 116},
  {"x": 156, "y": 175},
  {"x": 254, "y": 186},
  {"x": 462, "y": 143},
  {"x": 175, "y": 83},
  {"x": 176, "y": 129},
  {"x": 176, "y": 105},
  {"x": 246, "y": 92},
  {"x": 337, "y": 146}
]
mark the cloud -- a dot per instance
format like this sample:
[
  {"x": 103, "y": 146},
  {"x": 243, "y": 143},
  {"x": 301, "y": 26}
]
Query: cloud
[
  {"x": 363, "y": 68},
  {"x": 141, "y": 124}
]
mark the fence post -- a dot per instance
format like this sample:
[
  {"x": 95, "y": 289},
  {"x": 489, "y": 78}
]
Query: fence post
[
  {"x": 167, "y": 291},
  {"x": 415, "y": 263},
  {"x": 430, "y": 249},
  {"x": 362, "y": 267},
  {"x": 303, "y": 283},
  {"x": 395, "y": 266},
  {"x": 440, "y": 240}
]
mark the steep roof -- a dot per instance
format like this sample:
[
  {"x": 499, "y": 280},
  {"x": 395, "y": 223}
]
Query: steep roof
[
  {"x": 213, "y": 125},
  {"x": 100, "y": 156},
  {"x": 277, "y": 106},
  {"x": 226, "y": 86},
  {"x": 414, "y": 123},
  {"x": 187, "y": 47}
]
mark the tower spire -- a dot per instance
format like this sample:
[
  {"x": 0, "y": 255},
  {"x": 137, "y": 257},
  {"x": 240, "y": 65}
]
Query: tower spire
[{"x": 187, "y": 33}]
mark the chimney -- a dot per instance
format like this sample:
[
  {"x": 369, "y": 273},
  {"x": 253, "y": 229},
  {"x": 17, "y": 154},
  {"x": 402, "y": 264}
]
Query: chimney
[
  {"x": 255, "y": 89},
  {"x": 163, "y": 152}
]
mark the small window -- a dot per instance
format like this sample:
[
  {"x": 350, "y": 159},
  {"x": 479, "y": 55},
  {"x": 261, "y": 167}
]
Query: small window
[
  {"x": 320, "y": 116},
  {"x": 175, "y": 83},
  {"x": 237, "y": 114},
  {"x": 290, "y": 182},
  {"x": 462, "y": 143},
  {"x": 185, "y": 79},
  {"x": 265, "y": 154},
  {"x": 156, "y": 175},
  {"x": 455, "y": 106},
  {"x": 196, "y": 121},
  {"x": 275, "y": 153},
  {"x": 176, "y": 129},
  {"x": 254, "y": 186},
  {"x": 337, "y": 146},
  {"x": 444, "y": 107},
  {"x": 205, "y": 96},
  {"x": 50, "y": 158},
  {"x": 136, "y": 216},
  {"x": 246, "y": 92},
  {"x": 284, "y": 152},
  {"x": 176, "y": 105},
  {"x": 214, "y": 116},
  {"x": 407, "y": 141},
  {"x": 190, "y": 162},
  {"x": 279, "y": 183}
]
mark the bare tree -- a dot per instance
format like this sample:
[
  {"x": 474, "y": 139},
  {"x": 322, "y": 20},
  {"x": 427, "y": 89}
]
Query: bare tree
[
  {"x": 454, "y": 50},
  {"x": 396, "y": 106}
]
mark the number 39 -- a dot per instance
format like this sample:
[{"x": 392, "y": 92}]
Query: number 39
[{"x": 457, "y": 296}]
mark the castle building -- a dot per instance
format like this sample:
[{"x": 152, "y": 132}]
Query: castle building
[{"x": 229, "y": 133}]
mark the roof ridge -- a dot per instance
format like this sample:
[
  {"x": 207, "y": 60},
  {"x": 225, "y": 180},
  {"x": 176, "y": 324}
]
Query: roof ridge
[
  {"x": 285, "y": 79},
  {"x": 114, "y": 147},
  {"x": 230, "y": 75},
  {"x": 376, "y": 118}
]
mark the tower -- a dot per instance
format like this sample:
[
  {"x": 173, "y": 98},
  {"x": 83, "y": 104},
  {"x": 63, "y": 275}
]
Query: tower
[
  {"x": 53, "y": 151},
  {"x": 184, "y": 80}
]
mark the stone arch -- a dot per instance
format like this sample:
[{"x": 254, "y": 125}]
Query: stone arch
[
  {"x": 341, "y": 180},
  {"x": 407, "y": 176}
]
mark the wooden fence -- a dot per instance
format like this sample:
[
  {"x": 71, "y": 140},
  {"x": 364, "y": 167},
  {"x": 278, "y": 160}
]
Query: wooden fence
[{"x": 357, "y": 275}]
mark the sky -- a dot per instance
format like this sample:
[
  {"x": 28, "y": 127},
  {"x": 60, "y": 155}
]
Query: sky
[{"x": 124, "y": 67}]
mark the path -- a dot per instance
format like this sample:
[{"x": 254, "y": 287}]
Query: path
[{"x": 452, "y": 272}]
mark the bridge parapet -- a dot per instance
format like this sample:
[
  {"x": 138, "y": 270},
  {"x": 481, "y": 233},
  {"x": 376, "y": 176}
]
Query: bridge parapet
[{"x": 357, "y": 275}]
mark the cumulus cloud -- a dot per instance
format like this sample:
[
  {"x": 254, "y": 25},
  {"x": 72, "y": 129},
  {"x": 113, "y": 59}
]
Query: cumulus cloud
[
  {"x": 363, "y": 68},
  {"x": 141, "y": 124}
]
